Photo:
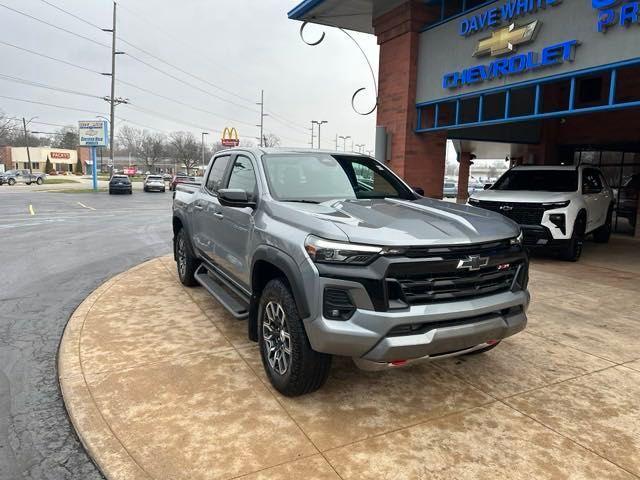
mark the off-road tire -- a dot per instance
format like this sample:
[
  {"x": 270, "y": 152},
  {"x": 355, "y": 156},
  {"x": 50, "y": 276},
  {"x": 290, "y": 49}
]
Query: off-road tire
[
  {"x": 184, "y": 253},
  {"x": 308, "y": 370},
  {"x": 483, "y": 350},
  {"x": 602, "y": 234},
  {"x": 573, "y": 251}
]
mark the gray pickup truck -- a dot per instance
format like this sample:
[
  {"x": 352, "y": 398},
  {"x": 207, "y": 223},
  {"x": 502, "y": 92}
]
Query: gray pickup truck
[
  {"x": 328, "y": 253},
  {"x": 11, "y": 177}
]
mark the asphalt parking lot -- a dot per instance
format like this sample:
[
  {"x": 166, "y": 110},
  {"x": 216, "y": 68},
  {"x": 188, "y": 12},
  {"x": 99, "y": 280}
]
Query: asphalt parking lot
[{"x": 56, "y": 249}]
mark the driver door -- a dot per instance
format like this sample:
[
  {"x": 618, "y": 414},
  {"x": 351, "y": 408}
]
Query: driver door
[{"x": 597, "y": 198}]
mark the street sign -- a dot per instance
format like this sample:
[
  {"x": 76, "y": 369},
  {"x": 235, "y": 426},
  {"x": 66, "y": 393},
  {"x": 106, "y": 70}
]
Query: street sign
[
  {"x": 230, "y": 137},
  {"x": 93, "y": 133}
]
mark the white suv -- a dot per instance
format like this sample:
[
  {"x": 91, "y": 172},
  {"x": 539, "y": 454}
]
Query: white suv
[{"x": 556, "y": 206}]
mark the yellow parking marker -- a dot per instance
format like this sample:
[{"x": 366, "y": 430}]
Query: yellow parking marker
[
  {"x": 85, "y": 206},
  {"x": 31, "y": 210}
]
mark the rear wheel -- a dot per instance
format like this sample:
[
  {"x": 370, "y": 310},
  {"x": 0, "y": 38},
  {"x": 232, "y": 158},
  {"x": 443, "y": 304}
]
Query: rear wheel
[
  {"x": 187, "y": 264},
  {"x": 602, "y": 234},
  {"x": 573, "y": 250},
  {"x": 292, "y": 366},
  {"x": 39, "y": 181},
  {"x": 11, "y": 181}
]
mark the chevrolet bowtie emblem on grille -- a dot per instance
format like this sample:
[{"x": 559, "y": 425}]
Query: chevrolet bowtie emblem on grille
[
  {"x": 473, "y": 262},
  {"x": 506, "y": 208},
  {"x": 506, "y": 39}
]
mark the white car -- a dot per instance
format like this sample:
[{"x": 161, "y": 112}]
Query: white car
[
  {"x": 556, "y": 206},
  {"x": 153, "y": 183}
]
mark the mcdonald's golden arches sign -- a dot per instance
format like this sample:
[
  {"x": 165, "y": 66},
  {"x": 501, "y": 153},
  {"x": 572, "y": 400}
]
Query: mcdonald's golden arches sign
[{"x": 230, "y": 137}]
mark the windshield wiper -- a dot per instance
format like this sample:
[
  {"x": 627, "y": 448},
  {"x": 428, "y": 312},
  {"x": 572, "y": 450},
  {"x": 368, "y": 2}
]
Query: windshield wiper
[{"x": 302, "y": 201}]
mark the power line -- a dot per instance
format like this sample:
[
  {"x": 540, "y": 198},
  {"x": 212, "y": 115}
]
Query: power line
[
  {"x": 77, "y": 17},
  {"x": 33, "y": 52},
  {"x": 31, "y": 83},
  {"x": 44, "y": 22},
  {"x": 51, "y": 105}
]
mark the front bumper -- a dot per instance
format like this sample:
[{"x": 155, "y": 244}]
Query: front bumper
[
  {"x": 155, "y": 188},
  {"x": 444, "y": 328}
]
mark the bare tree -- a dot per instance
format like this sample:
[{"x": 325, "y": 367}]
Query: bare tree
[
  {"x": 67, "y": 137},
  {"x": 8, "y": 128},
  {"x": 130, "y": 141},
  {"x": 153, "y": 148},
  {"x": 186, "y": 149},
  {"x": 271, "y": 140}
]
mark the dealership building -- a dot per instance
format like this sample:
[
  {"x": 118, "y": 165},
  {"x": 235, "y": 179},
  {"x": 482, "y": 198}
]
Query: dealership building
[{"x": 531, "y": 81}]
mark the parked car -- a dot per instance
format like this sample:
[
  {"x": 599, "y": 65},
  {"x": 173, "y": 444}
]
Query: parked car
[
  {"x": 120, "y": 184},
  {"x": 11, "y": 177},
  {"x": 153, "y": 183},
  {"x": 321, "y": 266},
  {"x": 450, "y": 190},
  {"x": 556, "y": 206},
  {"x": 167, "y": 177}
]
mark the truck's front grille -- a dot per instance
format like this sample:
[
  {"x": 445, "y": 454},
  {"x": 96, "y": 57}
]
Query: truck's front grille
[
  {"x": 521, "y": 213},
  {"x": 420, "y": 288}
]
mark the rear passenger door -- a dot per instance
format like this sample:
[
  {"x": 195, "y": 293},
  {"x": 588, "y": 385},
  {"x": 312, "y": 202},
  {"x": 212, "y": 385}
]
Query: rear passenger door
[
  {"x": 207, "y": 213},
  {"x": 235, "y": 237},
  {"x": 596, "y": 196}
]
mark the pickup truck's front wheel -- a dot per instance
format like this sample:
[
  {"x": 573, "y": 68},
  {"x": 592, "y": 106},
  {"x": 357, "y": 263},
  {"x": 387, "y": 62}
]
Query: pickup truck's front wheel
[
  {"x": 292, "y": 366},
  {"x": 187, "y": 264}
]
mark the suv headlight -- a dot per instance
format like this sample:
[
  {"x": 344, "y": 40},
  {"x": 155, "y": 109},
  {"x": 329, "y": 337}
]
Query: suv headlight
[
  {"x": 552, "y": 205},
  {"x": 517, "y": 240},
  {"x": 328, "y": 251}
]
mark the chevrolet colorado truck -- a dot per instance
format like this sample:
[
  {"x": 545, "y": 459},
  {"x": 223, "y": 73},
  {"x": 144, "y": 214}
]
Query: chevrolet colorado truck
[
  {"x": 327, "y": 253},
  {"x": 556, "y": 206}
]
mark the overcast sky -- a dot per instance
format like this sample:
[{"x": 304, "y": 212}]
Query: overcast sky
[{"x": 241, "y": 46}]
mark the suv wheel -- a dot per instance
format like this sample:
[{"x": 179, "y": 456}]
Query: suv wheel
[
  {"x": 12, "y": 181},
  {"x": 602, "y": 234},
  {"x": 39, "y": 181},
  {"x": 573, "y": 250},
  {"x": 292, "y": 366},
  {"x": 186, "y": 262}
]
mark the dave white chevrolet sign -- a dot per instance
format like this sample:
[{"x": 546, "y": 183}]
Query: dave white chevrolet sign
[
  {"x": 93, "y": 133},
  {"x": 513, "y": 41}
]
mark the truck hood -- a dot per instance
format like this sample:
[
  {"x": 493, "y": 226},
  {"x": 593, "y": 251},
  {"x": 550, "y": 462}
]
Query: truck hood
[
  {"x": 521, "y": 196},
  {"x": 394, "y": 222}
]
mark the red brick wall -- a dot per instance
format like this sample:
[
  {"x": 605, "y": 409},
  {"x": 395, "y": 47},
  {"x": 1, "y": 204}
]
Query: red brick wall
[
  {"x": 84, "y": 154},
  {"x": 5, "y": 157},
  {"x": 419, "y": 159}
]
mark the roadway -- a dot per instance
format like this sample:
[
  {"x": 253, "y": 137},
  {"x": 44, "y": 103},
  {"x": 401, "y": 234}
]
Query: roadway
[{"x": 55, "y": 248}]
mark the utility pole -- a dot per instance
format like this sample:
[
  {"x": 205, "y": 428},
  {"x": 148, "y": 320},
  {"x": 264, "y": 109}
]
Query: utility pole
[
  {"x": 262, "y": 115},
  {"x": 26, "y": 141},
  {"x": 203, "y": 134},
  {"x": 319, "y": 123},
  {"x": 112, "y": 99}
]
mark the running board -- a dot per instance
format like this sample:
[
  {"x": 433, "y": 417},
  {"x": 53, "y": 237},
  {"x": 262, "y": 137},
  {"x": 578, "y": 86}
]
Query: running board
[{"x": 222, "y": 291}]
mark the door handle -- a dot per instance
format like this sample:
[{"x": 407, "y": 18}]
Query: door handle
[
  {"x": 218, "y": 215},
  {"x": 198, "y": 207}
]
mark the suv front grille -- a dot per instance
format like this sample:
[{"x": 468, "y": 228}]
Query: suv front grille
[
  {"x": 420, "y": 288},
  {"x": 521, "y": 213}
]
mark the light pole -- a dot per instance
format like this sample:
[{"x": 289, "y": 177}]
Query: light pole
[
  {"x": 360, "y": 147},
  {"x": 344, "y": 141},
  {"x": 319, "y": 123},
  {"x": 203, "y": 134}
]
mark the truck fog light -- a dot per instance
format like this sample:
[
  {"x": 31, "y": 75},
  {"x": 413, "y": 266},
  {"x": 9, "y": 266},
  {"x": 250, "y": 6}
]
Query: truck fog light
[
  {"x": 337, "y": 304},
  {"x": 559, "y": 220}
]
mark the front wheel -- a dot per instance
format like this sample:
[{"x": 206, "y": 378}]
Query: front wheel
[
  {"x": 187, "y": 264},
  {"x": 39, "y": 181},
  {"x": 573, "y": 250},
  {"x": 11, "y": 181},
  {"x": 292, "y": 366}
]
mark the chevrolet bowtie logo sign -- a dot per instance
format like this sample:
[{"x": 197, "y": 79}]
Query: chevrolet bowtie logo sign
[
  {"x": 506, "y": 39},
  {"x": 473, "y": 263}
]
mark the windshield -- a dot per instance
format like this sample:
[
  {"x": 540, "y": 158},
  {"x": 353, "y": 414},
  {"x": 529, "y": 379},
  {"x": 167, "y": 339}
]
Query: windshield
[
  {"x": 154, "y": 178},
  {"x": 321, "y": 177},
  {"x": 538, "y": 181}
]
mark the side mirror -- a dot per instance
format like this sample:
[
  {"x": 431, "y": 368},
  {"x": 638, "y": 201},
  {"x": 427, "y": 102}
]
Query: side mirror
[
  {"x": 419, "y": 191},
  {"x": 235, "y": 197},
  {"x": 487, "y": 186}
]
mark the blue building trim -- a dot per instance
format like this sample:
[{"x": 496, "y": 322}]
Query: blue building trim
[
  {"x": 443, "y": 20},
  {"x": 611, "y": 69},
  {"x": 303, "y": 8}
]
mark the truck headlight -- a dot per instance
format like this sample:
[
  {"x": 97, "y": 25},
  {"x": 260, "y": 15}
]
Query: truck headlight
[
  {"x": 328, "y": 251},
  {"x": 517, "y": 240}
]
